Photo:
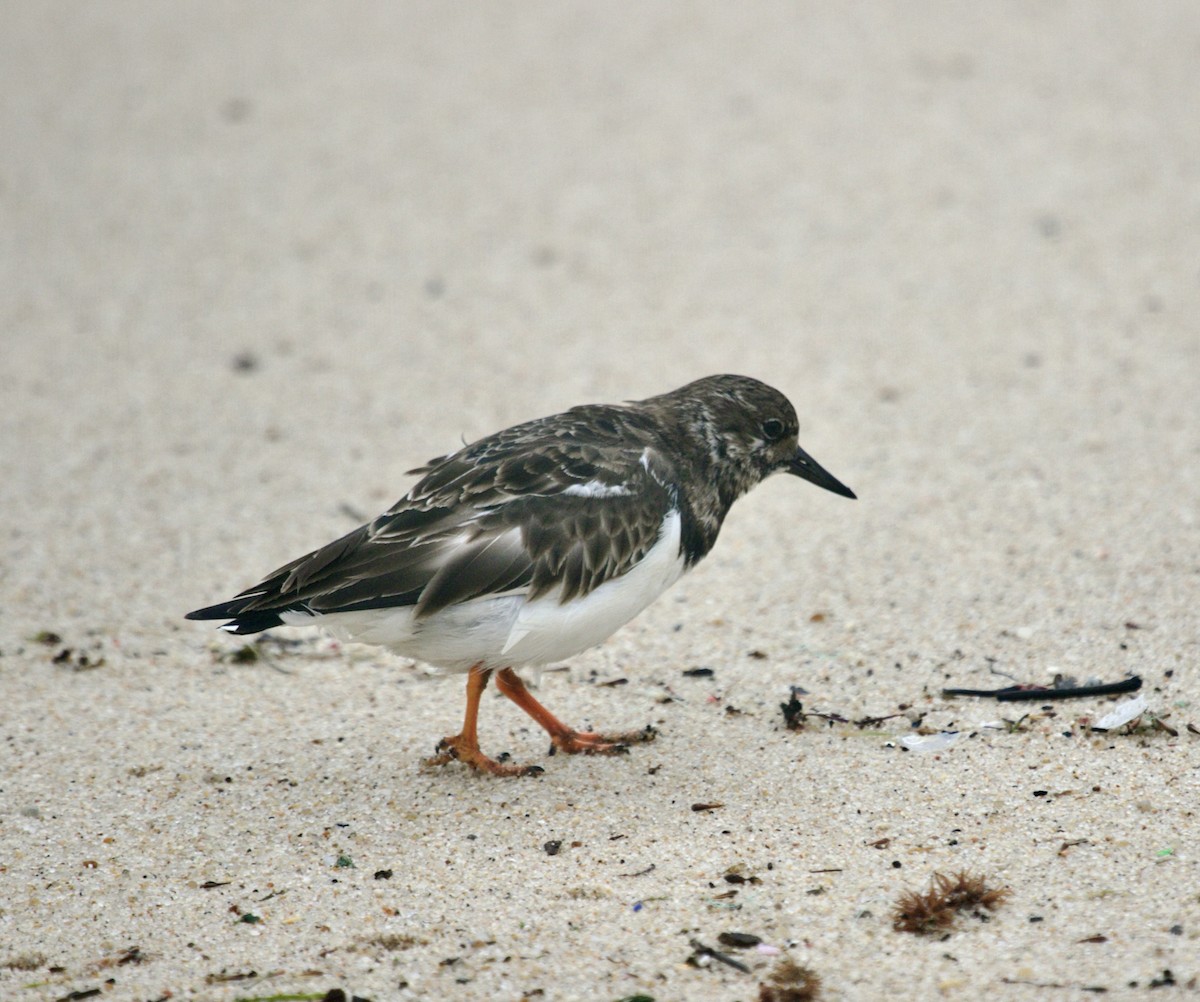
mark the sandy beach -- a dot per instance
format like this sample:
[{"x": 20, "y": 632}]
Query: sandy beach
[{"x": 260, "y": 260}]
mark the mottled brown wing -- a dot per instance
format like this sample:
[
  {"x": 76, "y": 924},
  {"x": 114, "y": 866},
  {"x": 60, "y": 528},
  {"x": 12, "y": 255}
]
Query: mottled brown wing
[
  {"x": 526, "y": 509},
  {"x": 542, "y": 542}
]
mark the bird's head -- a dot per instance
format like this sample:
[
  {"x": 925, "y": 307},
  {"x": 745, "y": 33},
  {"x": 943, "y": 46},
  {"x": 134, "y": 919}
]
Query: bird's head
[{"x": 750, "y": 430}]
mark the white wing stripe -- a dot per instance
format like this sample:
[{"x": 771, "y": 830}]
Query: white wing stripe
[{"x": 596, "y": 489}]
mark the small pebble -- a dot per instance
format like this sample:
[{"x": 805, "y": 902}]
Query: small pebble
[{"x": 742, "y": 940}]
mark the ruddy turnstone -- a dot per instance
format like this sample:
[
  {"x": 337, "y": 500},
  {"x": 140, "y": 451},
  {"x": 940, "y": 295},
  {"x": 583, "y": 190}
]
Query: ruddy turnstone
[{"x": 538, "y": 542}]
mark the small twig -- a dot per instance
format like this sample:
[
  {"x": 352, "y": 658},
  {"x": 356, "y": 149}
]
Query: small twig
[
  {"x": 794, "y": 714},
  {"x": 1013, "y": 693},
  {"x": 724, "y": 958},
  {"x": 865, "y": 722}
]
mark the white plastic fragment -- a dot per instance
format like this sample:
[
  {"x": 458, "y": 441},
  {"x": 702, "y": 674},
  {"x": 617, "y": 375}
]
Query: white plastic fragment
[
  {"x": 1121, "y": 714},
  {"x": 766, "y": 949},
  {"x": 929, "y": 742}
]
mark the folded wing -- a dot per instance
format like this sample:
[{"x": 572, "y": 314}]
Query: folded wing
[{"x": 517, "y": 516}]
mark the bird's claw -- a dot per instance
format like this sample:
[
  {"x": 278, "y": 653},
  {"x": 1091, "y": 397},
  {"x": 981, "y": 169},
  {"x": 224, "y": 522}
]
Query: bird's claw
[{"x": 453, "y": 749}]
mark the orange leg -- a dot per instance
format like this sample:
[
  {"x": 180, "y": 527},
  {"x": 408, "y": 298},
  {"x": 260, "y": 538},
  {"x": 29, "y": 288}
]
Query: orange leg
[
  {"x": 565, "y": 738},
  {"x": 464, "y": 746}
]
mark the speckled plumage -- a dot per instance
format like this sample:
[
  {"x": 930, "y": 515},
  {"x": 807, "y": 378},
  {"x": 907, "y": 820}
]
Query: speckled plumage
[{"x": 536, "y": 542}]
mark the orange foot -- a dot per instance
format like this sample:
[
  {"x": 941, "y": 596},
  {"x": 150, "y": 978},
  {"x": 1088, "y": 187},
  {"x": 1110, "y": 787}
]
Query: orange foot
[
  {"x": 567, "y": 739},
  {"x": 464, "y": 746},
  {"x": 572, "y": 742},
  {"x": 457, "y": 748}
]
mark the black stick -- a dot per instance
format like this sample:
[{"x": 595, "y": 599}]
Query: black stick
[{"x": 1014, "y": 693}]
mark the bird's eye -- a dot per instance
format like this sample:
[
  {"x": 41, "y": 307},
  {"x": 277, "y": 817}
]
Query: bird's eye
[{"x": 772, "y": 429}]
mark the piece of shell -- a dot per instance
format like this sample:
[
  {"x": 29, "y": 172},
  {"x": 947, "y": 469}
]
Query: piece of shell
[
  {"x": 929, "y": 742},
  {"x": 1121, "y": 714}
]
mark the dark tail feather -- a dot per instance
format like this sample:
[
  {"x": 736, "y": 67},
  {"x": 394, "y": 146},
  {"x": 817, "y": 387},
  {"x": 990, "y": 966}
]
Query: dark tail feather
[
  {"x": 239, "y": 622},
  {"x": 223, "y": 610}
]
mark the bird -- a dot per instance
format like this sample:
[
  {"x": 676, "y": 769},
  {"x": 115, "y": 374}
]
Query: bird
[{"x": 536, "y": 543}]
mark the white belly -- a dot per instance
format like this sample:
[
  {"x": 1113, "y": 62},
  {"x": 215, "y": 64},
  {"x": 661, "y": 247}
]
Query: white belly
[{"x": 509, "y": 631}]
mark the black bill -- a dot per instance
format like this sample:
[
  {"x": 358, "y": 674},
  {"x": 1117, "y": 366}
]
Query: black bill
[{"x": 803, "y": 465}]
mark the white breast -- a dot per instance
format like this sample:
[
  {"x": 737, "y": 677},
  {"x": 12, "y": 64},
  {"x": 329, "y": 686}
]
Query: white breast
[
  {"x": 547, "y": 630},
  {"x": 509, "y": 630}
]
